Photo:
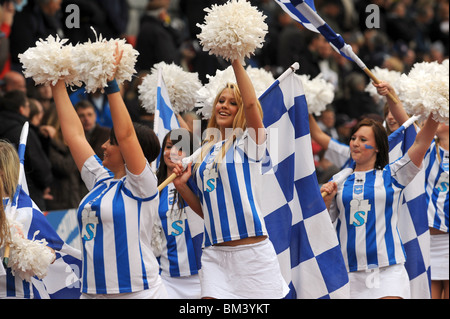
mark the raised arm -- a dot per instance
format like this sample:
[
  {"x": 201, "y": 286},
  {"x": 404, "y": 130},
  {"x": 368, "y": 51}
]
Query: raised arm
[
  {"x": 321, "y": 138},
  {"x": 71, "y": 126},
  {"x": 250, "y": 103},
  {"x": 396, "y": 107},
  {"x": 423, "y": 140},
  {"x": 123, "y": 127}
]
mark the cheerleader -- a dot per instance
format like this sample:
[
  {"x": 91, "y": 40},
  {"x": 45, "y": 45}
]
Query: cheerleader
[
  {"x": 177, "y": 252},
  {"x": 436, "y": 189},
  {"x": 365, "y": 210},
  {"x": 15, "y": 279},
  {"x": 117, "y": 215},
  {"x": 238, "y": 260}
]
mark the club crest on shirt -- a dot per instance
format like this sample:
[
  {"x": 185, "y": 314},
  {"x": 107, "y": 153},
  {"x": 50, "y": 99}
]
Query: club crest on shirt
[
  {"x": 359, "y": 210},
  {"x": 90, "y": 222},
  {"x": 210, "y": 179}
]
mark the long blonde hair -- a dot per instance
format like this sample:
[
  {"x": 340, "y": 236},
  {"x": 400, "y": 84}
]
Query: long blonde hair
[
  {"x": 9, "y": 173},
  {"x": 239, "y": 125}
]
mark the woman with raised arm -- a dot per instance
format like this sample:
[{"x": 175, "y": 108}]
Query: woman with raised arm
[
  {"x": 238, "y": 260},
  {"x": 116, "y": 216},
  {"x": 365, "y": 209}
]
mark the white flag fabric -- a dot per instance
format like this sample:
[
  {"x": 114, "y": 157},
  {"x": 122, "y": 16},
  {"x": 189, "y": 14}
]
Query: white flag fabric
[{"x": 296, "y": 217}]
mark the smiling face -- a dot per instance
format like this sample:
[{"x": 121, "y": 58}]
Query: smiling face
[
  {"x": 363, "y": 148},
  {"x": 172, "y": 155},
  {"x": 226, "y": 109},
  {"x": 112, "y": 157}
]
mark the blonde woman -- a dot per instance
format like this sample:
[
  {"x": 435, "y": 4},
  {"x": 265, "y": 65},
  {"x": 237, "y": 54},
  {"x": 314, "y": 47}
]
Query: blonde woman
[{"x": 238, "y": 261}]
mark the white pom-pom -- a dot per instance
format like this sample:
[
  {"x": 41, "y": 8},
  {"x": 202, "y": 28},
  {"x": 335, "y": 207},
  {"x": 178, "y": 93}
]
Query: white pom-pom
[
  {"x": 318, "y": 93},
  {"x": 390, "y": 76},
  {"x": 233, "y": 30},
  {"x": 425, "y": 90},
  {"x": 94, "y": 62},
  {"x": 28, "y": 258},
  {"x": 156, "y": 242},
  {"x": 50, "y": 61},
  {"x": 181, "y": 86},
  {"x": 261, "y": 80}
]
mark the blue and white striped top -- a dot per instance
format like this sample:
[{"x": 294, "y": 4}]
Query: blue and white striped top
[
  {"x": 180, "y": 252},
  {"x": 116, "y": 220},
  {"x": 229, "y": 191},
  {"x": 365, "y": 212},
  {"x": 436, "y": 187}
]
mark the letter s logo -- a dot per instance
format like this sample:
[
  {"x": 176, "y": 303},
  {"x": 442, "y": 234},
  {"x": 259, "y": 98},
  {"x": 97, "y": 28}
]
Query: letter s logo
[
  {"x": 211, "y": 185},
  {"x": 177, "y": 227}
]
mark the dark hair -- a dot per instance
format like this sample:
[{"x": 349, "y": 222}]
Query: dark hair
[
  {"x": 13, "y": 100},
  {"x": 185, "y": 141},
  {"x": 381, "y": 139},
  {"x": 147, "y": 139},
  {"x": 179, "y": 136},
  {"x": 84, "y": 104}
]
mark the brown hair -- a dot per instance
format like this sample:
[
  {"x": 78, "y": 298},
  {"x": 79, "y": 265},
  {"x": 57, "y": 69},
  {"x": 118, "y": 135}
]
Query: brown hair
[{"x": 381, "y": 139}]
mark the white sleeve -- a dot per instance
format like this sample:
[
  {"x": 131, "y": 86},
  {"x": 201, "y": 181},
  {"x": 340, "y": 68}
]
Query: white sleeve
[
  {"x": 404, "y": 170},
  {"x": 253, "y": 150},
  {"x": 144, "y": 185},
  {"x": 338, "y": 153},
  {"x": 93, "y": 171}
]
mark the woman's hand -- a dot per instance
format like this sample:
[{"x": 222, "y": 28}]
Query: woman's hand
[
  {"x": 328, "y": 191},
  {"x": 117, "y": 58},
  {"x": 183, "y": 174}
]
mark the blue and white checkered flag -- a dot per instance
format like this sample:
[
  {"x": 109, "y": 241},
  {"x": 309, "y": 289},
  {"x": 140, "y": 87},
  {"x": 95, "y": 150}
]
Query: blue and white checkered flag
[
  {"x": 304, "y": 12},
  {"x": 63, "y": 275},
  {"x": 296, "y": 217},
  {"x": 413, "y": 219}
]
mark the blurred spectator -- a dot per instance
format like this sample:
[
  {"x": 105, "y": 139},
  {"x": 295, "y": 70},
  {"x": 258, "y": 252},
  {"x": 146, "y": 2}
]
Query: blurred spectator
[
  {"x": 289, "y": 42},
  {"x": 356, "y": 102},
  {"x": 39, "y": 19},
  {"x": 7, "y": 12},
  {"x": 156, "y": 40},
  {"x": 326, "y": 122},
  {"x": 65, "y": 185},
  {"x": 344, "y": 125},
  {"x": 14, "y": 113},
  {"x": 91, "y": 16},
  {"x": 14, "y": 80},
  {"x": 96, "y": 134},
  {"x": 99, "y": 100},
  {"x": 116, "y": 19}
]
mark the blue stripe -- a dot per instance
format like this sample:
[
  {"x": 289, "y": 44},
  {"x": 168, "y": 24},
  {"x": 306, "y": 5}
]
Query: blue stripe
[
  {"x": 389, "y": 236},
  {"x": 234, "y": 187},
  {"x": 256, "y": 218},
  {"x": 371, "y": 229},
  {"x": 144, "y": 272},
  {"x": 91, "y": 196},
  {"x": 190, "y": 248},
  {"x": 222, "y": 209},
  {"x": 347, "y": 196},
  {"x": 120, "y": 238}
]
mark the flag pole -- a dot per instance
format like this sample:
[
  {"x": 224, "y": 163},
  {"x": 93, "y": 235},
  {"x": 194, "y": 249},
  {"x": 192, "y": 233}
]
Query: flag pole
[{"x": 374, "y": 79}]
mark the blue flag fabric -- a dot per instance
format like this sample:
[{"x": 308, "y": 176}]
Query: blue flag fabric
[
  {"x": 165, "y": 117},
  {"x": 296, "y": 217},
  {"x": 413, "y": 219},
  {"x": 304, "y": 12},
  {"x": 63, "y": 275}
]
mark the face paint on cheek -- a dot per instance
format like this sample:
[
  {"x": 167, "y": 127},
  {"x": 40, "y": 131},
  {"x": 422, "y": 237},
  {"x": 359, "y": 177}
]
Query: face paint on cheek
[{"x": 368, "y": 147}]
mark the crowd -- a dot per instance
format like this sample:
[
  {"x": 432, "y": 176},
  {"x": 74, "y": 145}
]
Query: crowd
[{"x": 57, "y": 167}]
